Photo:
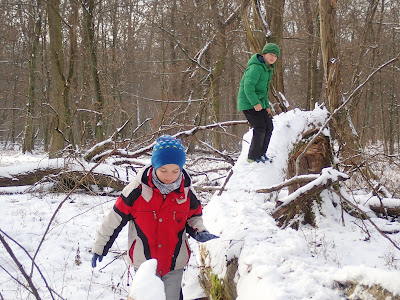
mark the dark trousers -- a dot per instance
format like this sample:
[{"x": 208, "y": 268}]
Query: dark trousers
[{"x": 262, "y": 126}]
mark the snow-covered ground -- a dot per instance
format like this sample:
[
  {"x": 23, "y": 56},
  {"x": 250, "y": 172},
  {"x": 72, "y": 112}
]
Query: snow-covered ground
[{"x": 274, "y": 263}]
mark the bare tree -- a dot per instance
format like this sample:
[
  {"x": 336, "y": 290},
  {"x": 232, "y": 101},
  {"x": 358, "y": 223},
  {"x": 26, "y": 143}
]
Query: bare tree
[
  {"x": 60, "y": 133},
  {"x": 89, "y": 7},
  {"x": 29, "y": 131},
  {"x": 341, "y": 123}
]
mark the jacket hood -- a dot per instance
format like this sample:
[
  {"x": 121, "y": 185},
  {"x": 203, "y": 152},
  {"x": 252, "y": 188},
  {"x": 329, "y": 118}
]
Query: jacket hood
[{"x": 255, "y": 61}]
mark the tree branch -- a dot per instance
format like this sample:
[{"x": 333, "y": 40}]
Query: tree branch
[
  {"x": 33, "y": 289},
  {"x": 37, "y": 267},
  {"x": 302, "y": 179}
]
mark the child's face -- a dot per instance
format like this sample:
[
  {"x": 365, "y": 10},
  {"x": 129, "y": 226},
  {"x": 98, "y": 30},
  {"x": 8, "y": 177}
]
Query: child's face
[
  {"x": 270, "y": 58},
  {"x": 168, "y": 173}
]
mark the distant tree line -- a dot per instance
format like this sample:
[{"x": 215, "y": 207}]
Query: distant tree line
[{"x": 73, "y": 72}]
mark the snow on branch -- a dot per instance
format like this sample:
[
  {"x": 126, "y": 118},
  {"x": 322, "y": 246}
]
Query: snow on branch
[
  {"x": 328, "y": 176},
  {"x": 302, "y": 179},
  {"x": 262, "y": 18},
  {"x": 299, "y": 201}
]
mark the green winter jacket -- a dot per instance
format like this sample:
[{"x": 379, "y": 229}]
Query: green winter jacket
[{"x": 254, "y": 86}]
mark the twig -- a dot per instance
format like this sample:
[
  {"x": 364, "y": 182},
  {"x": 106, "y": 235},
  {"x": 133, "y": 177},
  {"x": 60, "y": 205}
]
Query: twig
[
  {"x": 225, "y": 182},
  {"x": 37, "y": 267},
  {"x": 180, "y": 46},
  {"x": 182, "y": 134},
  {"x": 15, "y": 279},
  {"x": 224, "y": 156},
  {"x": 374, "y": 189},
  {"x": 115, "y": 258},
  {"x": 33, "y": 290}
]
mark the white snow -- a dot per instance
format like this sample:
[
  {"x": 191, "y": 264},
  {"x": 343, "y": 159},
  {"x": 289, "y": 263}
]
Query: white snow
[
  {"x": 146, "y": 285},
  {"x": 274, "y": 263}
]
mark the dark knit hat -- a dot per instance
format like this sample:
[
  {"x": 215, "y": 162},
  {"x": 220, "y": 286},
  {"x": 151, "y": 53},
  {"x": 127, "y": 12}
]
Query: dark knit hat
[
  {"x": 271, "y": 48},
  {"x": 168, "y": 150}
]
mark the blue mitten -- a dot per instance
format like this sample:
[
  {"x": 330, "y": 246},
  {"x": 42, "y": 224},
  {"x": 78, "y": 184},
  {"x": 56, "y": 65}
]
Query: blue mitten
[
  {"x": 94, "y": 259},
  {"x": 205, "y": 236}
]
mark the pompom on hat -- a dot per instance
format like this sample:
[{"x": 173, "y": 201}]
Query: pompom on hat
[
  {"x": 271, "y": 48},
  {"x": 168, "y": 150}
]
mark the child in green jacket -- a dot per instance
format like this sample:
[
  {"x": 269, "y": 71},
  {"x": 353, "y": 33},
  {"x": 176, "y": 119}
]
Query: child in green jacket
[{"x": 253, "y": 100}]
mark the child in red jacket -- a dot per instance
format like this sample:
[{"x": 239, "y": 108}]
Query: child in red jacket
[{"x": 161, "y": 209}]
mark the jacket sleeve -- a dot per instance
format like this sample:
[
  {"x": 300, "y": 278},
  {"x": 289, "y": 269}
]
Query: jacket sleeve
[
  {"x": 110, "y": 228},
  {"x": 253, "y": 74},
  {"x": 117, "y": 218},
  {"x": 195, "y": 221}
]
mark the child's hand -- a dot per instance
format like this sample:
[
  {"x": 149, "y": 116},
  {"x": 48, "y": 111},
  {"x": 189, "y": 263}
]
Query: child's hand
[
  {"x": 258, "y": 107},
  {"x": 205, "y": 236},
  {"x": 94, "y": 259}
]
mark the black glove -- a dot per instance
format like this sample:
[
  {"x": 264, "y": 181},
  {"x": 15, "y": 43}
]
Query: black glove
[
  {"x": 205, "y": 236},
  {"x": 94, "y": 259}
]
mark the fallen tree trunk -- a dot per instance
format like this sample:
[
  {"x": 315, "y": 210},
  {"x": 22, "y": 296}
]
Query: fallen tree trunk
[
  {"x": 63, "y": 179},
  {"x": 26, "y": 178},
  {"x": 386, "y": 211}
]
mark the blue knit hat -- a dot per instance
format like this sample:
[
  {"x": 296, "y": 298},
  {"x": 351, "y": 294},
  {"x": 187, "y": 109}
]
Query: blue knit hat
[{"x": 168, "y": 150}]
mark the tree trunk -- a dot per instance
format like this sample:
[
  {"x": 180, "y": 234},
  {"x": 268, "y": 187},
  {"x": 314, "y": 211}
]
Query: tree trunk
[
  {"x": 12, "y": 131},
  {"x": 88, "y": 14},
  {"x": 340, "y": 128},
  {"x": 73, "y": 43},
  {"x": 221, "y": 43},
  {"x": 272, "y": 27},
  {"x": 365, "y": 39},
  {"x": 28, "y": 143},
  {"x": 59, "y": 103},
  {"x": 312, "y": 21},
  {"x": 363, "y": 46},
  {"x": 393, "y": 109},
  {"x": 317, "y": 157},
  {"x": 64, "y": 180},
  {"x": 256, "y": 43},
  {"x": 274, "y": 9}
]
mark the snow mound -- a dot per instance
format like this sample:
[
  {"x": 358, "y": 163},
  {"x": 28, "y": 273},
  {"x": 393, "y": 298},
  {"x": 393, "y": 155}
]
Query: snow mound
[
  {"x": 146, "y": 285},
  {"x": 275, "y": 263}
]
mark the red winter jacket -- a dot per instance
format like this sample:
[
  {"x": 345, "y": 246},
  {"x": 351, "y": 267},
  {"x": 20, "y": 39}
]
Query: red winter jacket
[{"x": 158, "y": 227}]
